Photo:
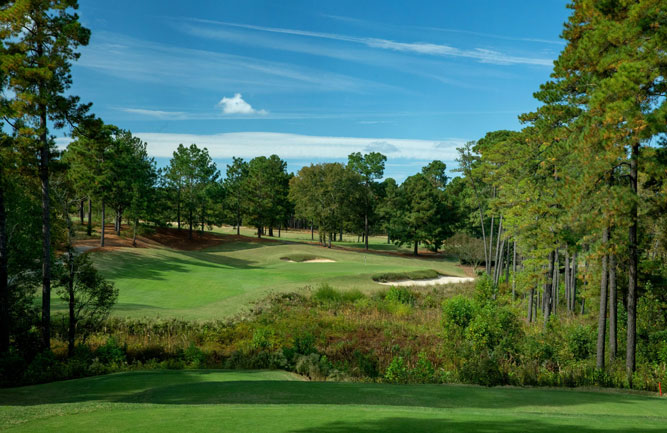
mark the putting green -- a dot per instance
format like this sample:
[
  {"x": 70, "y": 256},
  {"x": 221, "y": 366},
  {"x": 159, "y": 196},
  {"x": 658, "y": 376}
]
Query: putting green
[
  {"x": 221, "y": 281},
  {"x": 264, "y": 401}
]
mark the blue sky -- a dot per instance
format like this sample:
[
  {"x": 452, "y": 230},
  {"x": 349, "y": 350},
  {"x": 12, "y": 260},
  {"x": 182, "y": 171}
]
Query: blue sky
[{"x": 313, "y": 80}]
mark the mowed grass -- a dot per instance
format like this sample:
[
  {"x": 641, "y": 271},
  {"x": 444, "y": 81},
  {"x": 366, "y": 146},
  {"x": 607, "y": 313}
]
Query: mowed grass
[
  {"x": 272, "y": 401},
  {"x": 221, "y": 281},
  {"x": 375, "y": 243}
]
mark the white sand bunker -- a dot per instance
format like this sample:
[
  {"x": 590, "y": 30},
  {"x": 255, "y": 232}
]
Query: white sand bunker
[
  {"x": 306, "y": 259},
  {"x": 430, "y": 281},
  {"x": 314, "y": 261}
]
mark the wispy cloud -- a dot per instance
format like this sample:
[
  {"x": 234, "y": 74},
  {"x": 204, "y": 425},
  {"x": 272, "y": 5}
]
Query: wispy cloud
[
  {"x": 159, "y": 114},
  {"x": 236, "y": 105},
  {"x": 146, "y": 61},
  {"x": 297, "y": 146},
  {"x": 367, "y": 23},
  {"x": 483, "y": 55}
]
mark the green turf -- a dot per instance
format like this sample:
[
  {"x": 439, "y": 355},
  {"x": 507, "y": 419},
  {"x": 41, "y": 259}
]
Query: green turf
[
  {"x": 220, "y": 281},
  {"x": 375, "y": 243},
  {"x": 261, "y": 401}
]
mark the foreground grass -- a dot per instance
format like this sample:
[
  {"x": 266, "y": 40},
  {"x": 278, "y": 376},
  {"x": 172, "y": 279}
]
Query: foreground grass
[
  {"x": 273, "y": 401},
  {"x": 221, "y": 281}
]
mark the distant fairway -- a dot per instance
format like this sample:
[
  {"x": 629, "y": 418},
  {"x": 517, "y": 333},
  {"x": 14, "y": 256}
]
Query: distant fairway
[
  {"x": 264, "y": 401},
  {"x": 219, "y": 281}
]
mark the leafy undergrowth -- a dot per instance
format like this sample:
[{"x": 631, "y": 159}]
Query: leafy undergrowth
[
  {"x": 455, "y": 333},
  {"x": 388, "y": 277}
]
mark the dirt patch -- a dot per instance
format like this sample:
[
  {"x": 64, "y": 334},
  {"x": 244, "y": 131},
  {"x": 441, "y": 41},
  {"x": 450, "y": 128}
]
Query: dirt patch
[
  {"x": 179, "y": 240},
  {"x": 161, "y": 237},
  {"x": 429, "y": 282}
]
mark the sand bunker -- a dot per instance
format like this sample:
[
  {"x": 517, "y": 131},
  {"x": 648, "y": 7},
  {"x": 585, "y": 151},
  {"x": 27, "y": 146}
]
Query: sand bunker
[
  {"x": 429, "y": 282},
  {"x": 313, "y": 261}
]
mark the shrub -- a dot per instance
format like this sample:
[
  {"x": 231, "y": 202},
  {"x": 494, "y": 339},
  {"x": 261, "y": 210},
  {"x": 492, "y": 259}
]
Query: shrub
[
  {"x": 458, "y": 312},
  {"x": 397, "y": 371},
  {"x": 400, "y": 295},
  {"x": 110, "y": 353},
  {"x": 389, "y": 277},
  {"x": 314, "y": 366},
  {"x": 580, "y": 341},
  {"x": 326, "y": 293}
]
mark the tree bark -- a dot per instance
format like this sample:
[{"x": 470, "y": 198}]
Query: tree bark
[
  {"x": 573, "y": 283},
  {"x": 366, "y": 229},
  {"x": 190, "y": 225},
  {"x": 46, "y": 230},
  {"x": 312, "y": 231},
  {"x": 514, "y": 273},
  {"x": 567, "y": 279},
  {"x": 613, "y": 309},
  {"x": 554, "y": 287},
  {"x": 259, "y": 232},
  {"x": 416, "y": 250},
  {"x": 178, "y": 208},
  {"x": 81, "y": 204},
  {"x": 488, "y": 266},
  {"x": 530, "y": 305},
  {"x": 71, "y": 329},
  {"x": 103, "y": 220},
  {"x": 134, "y": 234},
  {"x": 632, "y": 270},
  {"x": 89, "y": 229},
  {"x": 4, "y": 286},
  {"x": 602, "y": 316},
  {"x": 271, "y": 230},
  {"x": 547, "y": 290}
]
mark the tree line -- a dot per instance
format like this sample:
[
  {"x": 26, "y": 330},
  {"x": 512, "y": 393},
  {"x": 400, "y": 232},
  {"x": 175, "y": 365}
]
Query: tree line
[{"x": 579, "y": 194}]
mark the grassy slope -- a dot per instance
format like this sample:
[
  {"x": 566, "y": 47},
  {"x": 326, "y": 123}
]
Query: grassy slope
[
  {"x": 204, "y": 401},
  {"x": 220, "y": 281},
  {"x": 376, "y": 243}
]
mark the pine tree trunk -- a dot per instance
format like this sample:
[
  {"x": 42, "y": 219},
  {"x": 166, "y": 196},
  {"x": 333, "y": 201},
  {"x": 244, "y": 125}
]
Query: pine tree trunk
[
  {"x": 554, "y": 287},
  {"x": 279, "y": 227},
  {"x": 486, "y": 253},
  {"x": 488, "y": 267},
  {"x": 238, "y": 223},
  {"x": 632, "y": 271},
  {"x": 416, "y": 250},
  {"x": 103, "y": 220},
  {"x": 190, "y": 225},
  {"x": 547, "y": 290},
  {"x": 530, "y": 305},
  {"x": 573, "y": 283},
  {"x": 46, "y": 230},
  {"x": 613, "y": 309},
  {"x": 602, "y": 315},
  {"x": 81, "y": 204},
  {"x": 567, "y": 280},
  {"x": 71, "y": 329},
  {"x": 514, "y": 273},
  {"x": 312, "y": 231},
  {"x": 4, "y": 286},
  {"x": 271, "y": 231},
  {"x": 134, "y": 233},
  {"x": 330, "y": 236},
  {"x": 178, "y": 209},
  {"x": 259, "y": 232},
  {"x": 366, "y": 231},
  {"x": 89, "y": 229}
]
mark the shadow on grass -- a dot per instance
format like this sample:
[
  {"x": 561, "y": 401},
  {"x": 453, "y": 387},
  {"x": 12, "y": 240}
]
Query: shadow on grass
[
  {"x": 184, "y": 388},
  {"x": 130, "y": 265},
  {"x": 416, "y": 425}
]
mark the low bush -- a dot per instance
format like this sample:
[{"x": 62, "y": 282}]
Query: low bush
[{"x": 390, "y": 277}]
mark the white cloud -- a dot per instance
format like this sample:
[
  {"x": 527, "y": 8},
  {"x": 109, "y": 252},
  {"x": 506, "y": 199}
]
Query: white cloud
[
  {"x": 236, "y": 105},
  {"x": 297, "y": 146},
  {"x": 481, "y": 55}
]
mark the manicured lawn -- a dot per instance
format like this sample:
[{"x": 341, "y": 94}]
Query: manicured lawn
[
  {"x": 376, "y": 243},
  {"x": 263, "y": 401},
  {"x": 220, "y": 281}
]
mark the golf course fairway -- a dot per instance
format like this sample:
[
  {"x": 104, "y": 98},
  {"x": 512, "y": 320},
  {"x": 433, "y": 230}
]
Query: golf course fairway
[{"x": 274, "y": 401}]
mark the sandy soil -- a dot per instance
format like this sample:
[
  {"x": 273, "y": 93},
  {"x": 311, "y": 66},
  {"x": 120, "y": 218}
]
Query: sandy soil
[{"x": 429, "y": 282}]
